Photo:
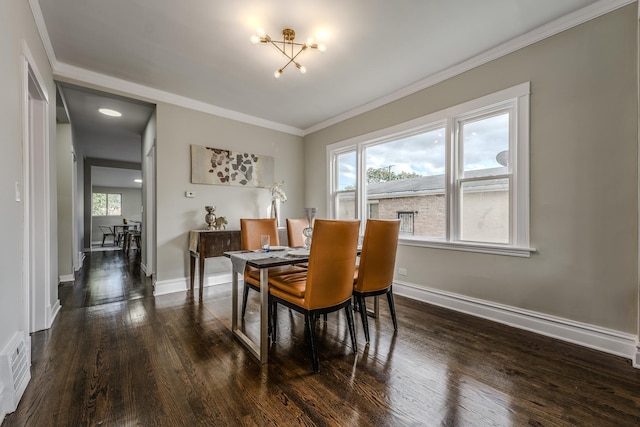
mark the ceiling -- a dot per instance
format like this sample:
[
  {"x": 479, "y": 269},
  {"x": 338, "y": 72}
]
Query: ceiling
[
  {"x": 115, "y": 177},
  {"x": 199, "y": 50}
]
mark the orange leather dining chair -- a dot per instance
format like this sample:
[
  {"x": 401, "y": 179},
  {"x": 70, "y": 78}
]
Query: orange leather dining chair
[
  {"x": 294, "y": 231},
  {"x": 374, "y": 275},
  {"x": 326, "y": 286},
  {"x": 250, "y": 232}
]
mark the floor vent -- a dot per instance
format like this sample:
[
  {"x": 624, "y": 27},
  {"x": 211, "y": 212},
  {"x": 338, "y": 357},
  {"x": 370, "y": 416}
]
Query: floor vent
[
  {"x": 19, "y": 368},
  {"x": 15, "y": 371}
]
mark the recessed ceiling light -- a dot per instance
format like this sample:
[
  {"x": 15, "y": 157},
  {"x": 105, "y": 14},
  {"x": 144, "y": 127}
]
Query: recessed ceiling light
[
  {"x": 109, "y": 112},
  {"x": 137, "y": 180}
]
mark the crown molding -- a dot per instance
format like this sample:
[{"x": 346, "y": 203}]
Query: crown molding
[
  {"x": 42, "y": 30},
  {"x": 550, "y": 29}
]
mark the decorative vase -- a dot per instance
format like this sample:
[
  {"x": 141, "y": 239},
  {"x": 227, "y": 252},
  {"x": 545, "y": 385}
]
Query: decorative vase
[
  {"x": 310, "y": 214},
  {"x": 210, "y": 217},
  {"x": 274, "y": 211}
]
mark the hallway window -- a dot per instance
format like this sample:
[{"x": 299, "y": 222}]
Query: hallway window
[{"x": 106, "y": 204}]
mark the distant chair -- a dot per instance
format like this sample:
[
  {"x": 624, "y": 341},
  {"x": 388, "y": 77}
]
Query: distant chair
[
  {"x": 294, "y": 231},
  {"x": 106, "y": 232},
  {"x": 132, "y": 236},
  {"x": 250, "y": 232}
]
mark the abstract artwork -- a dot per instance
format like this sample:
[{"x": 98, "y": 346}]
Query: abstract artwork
[{"x": 224, "y": 167}]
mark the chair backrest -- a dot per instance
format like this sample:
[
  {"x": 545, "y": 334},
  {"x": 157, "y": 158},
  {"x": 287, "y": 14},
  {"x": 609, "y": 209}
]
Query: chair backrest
[
  {"x": 332, "y": 263},
  {"x": 105, "y": 229},
  {"x": 252, "y": 229},
  {"x": 294, "y": 231},
  {"x": 378, "y": 256}
]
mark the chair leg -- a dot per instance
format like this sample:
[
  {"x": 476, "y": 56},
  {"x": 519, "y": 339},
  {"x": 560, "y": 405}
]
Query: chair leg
[
  {"x": 392, "y": 309},
  {"x": 309, "y": 322},
  {"x": 104, "y": 236},
  {"x": 245, "y": 295},
  {"x": 352, "y": 327},
  {"x": 362, "y": 305}
]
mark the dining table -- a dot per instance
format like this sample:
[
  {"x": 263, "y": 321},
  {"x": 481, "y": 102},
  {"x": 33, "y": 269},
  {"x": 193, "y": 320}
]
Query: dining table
[{"x": 262, "y": 261}]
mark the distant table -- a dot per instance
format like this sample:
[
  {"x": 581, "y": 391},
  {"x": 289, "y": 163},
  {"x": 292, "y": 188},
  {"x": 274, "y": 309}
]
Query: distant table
[{"x": 207, "y": 244}]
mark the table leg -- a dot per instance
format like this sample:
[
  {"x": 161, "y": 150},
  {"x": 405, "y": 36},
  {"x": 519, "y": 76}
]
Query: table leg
[
  {"x": 259, "y": 352},
  {"x": 192, "y": 270},
  {"x": 264, "y": 315},
  {"x": 201, "y": 278},
  {"x": 376, "y": 307},
  {"x": 234, "y": 301}
]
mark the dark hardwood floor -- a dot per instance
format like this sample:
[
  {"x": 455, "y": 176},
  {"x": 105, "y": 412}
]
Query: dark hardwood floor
[{"x": 117, "y": 356}]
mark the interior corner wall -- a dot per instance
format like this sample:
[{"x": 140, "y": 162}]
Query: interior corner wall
[
  {"x": 583, "y": 179},
  {"x": 65, "y": 199},
  {"x": 177, "y": 129}
]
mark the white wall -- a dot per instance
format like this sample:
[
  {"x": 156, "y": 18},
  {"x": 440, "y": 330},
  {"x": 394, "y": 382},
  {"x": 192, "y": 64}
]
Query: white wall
[
  {"x": 17, "y": 27},
  {"x": 584, "y": 174},
  {"x": 177, "y": 129}
]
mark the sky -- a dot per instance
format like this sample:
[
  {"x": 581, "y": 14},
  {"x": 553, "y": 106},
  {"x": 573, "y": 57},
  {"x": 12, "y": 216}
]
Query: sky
[{"x": 424, "y": 153}]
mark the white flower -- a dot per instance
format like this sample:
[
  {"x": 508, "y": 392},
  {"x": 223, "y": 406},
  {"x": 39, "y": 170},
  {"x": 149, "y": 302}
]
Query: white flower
[{"x": 277, "y": 193}]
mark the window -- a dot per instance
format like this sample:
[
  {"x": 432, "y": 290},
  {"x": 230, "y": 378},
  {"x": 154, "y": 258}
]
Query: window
[
  {"x": 456, "y": 179},
  {"x": 406, "y": 222},
  {"x": 106, "y": 204}
]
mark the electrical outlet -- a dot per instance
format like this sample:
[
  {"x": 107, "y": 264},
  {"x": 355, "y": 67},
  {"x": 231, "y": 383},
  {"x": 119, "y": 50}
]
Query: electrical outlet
[
  {"x": 402, "y": 271},
  {"x": 189, "y": 194}
]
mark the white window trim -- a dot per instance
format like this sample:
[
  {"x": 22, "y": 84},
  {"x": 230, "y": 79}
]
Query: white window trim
[{"x": 519, "y": 155}]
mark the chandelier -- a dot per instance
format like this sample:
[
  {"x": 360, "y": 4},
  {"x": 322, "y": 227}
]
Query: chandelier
[{"x": 287, "y": 47}]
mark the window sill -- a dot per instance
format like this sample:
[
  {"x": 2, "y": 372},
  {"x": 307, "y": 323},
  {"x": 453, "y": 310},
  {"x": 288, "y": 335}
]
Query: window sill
[{"x": 468, "y": 247}]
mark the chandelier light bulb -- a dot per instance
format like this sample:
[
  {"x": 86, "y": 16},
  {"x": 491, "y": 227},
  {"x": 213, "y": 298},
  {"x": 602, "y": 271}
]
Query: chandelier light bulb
[
  {"x": 277, "y": 74},
  {"x": 302, "y": 68},
  {"x": 255, "y": 39},
  {"x": 260, "y": 32},
  {"x": 322, "y": 48},
  {"x": 309, "y": 42}
]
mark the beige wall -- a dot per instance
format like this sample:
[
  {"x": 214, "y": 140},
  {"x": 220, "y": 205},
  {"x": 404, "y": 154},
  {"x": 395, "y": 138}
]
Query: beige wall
[
  {"x": 177, "y": 129},
  {"x": 583, "y": 176}
]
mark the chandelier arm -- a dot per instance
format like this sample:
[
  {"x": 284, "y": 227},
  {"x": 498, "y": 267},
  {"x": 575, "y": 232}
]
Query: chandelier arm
[
  {"x": 287, "y": 64},
  {"x": 280, "y": 49},
  {"x": 293, "y": 58}
]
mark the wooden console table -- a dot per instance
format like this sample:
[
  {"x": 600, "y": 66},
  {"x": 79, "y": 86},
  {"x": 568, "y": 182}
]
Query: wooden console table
[{"x": 207, "y": 244}]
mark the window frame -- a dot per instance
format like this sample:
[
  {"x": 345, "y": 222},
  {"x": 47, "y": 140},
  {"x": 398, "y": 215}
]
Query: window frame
[
  {"x": 107, "y": 194},
  {"x": 515, "y": 100}
]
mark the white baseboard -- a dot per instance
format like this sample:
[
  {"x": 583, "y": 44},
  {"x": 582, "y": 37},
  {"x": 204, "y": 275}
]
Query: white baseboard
[
  {"x": 164, "y": 287},
  {"x": 52, "y": 313},
  {"x": 587, "y": 335},
  {"x": 67, "y": 278}
]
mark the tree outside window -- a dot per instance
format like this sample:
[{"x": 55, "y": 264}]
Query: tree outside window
[{"x": 106, "y": 204}]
